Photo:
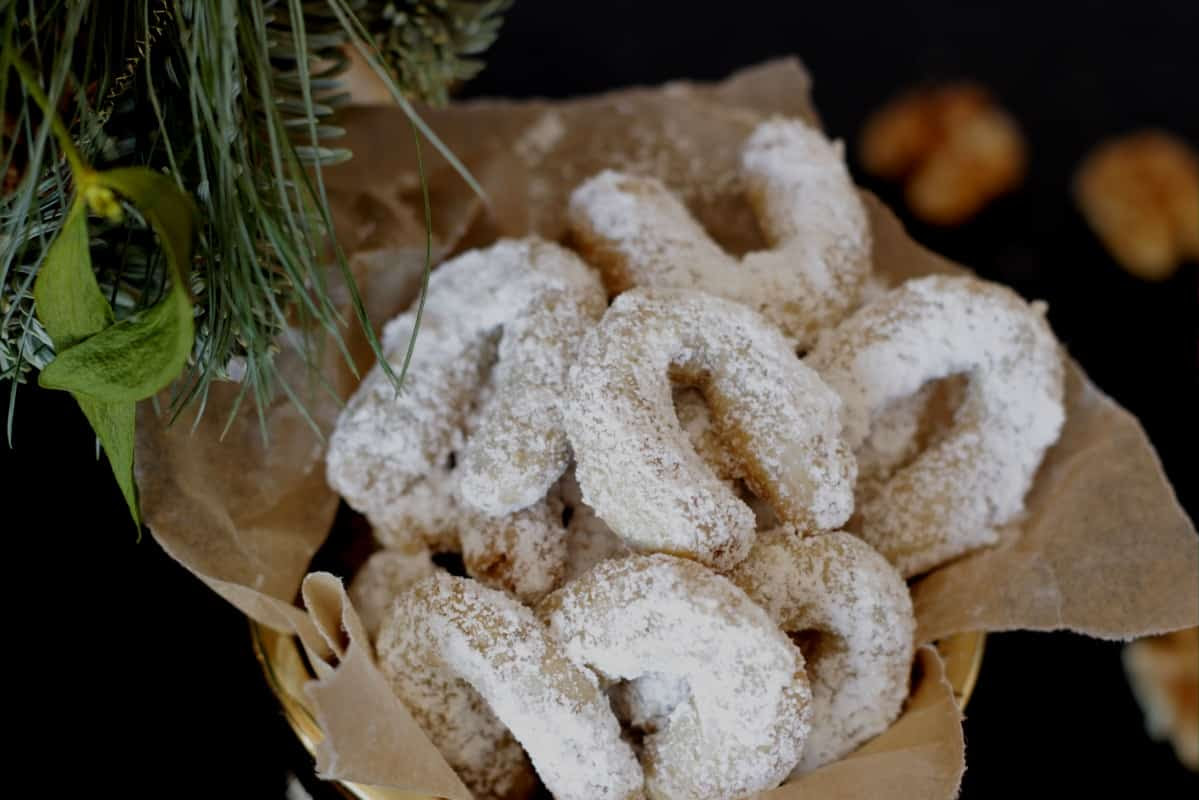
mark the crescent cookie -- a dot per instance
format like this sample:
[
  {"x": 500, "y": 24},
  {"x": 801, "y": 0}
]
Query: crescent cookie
[
  {"x": 744, "y": 722},
  {"x": 640, "y": 234},
  {"x": 483, "y": 678},
  {"x": 839, "y": 587},
  {"x": 951, "y": 497},
  {"x": 539, "y": 299},
  {"x": 636, "y": 465}
]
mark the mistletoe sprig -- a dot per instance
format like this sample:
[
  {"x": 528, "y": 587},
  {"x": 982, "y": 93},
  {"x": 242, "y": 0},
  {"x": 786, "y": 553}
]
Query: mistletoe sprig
[
  {"x": 106, "y": 364},
  {"x": 174, "y": 229}
]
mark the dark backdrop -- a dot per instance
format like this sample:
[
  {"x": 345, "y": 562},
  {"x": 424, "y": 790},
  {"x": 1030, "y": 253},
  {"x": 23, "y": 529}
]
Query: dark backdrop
[{"x": 146, "y": 684}]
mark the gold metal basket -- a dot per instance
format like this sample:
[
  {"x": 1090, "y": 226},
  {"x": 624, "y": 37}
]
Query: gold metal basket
[{"x": 287, "y": 672}]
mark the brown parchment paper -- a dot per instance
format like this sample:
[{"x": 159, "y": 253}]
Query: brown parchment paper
[
  {"x": 370, "y": 737},
  {"x": 1105, "y": 548},
  {"x": 921, "y": 756}
]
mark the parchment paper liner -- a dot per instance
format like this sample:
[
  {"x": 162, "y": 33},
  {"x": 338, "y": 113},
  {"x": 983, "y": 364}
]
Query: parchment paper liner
[{"x": 1105, "y": 548}]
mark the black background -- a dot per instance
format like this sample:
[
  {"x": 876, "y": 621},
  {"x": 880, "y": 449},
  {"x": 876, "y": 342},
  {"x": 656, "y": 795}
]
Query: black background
[{"x": 146, "y": 684}]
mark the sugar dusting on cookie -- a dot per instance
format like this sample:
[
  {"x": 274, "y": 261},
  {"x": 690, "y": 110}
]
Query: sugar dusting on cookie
[
  {"x": 483, "y": 678},
  {"x": 859, "y": 662},
  {"x": 635, "y": 463},
  {"x": 640, "y": 234},
  {"x": 950, "y": 499},
  {"x": 542, "y": 298},
  {"x": 743, "y": 725}
]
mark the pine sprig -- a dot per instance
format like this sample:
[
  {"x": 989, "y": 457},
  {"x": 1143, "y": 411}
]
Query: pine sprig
[{"x": 431, "y": 45}]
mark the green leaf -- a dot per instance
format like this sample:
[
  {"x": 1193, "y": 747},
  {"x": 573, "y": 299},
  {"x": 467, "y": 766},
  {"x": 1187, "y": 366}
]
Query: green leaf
[
  {"x": 114, "y": 425},
  {"x": 71, "y": 308},
  {"x": 137, "y": 357},
  {"x": 69, "y": 302},
  {"x": 130, "y": 360}
]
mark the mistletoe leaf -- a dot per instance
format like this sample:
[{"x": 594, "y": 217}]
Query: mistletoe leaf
[
  {"x": 71, "y": 308},
  {"x": 130, "y": 360},
  {"x": 114, "y": 425},
  {"x": 69, "y": 302},
  {"x": 135, "y": 358}
]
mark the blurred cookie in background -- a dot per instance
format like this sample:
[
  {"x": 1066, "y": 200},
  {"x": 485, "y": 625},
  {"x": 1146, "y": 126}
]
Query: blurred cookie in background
[
  {"x": 952, "y": 145},
  {"x": 1164, "y": 673},
  {"x": 1140, "y": 195}
]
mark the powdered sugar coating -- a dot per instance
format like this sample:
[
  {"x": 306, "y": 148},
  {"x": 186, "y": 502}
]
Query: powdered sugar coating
[
  {"x": 743, "y": 725},
  {"x": 859, "y": 667},
  {"x": 524, "y": 552},
  {"x": 480, "y": 673},
  {"x": 634, "y": 462},
  {"x": 589, "y": 537},
  {"x": 950, "y": 498},
  {"x": 395, "y": 458},
  {"x": 539, "y": 298},
  {"x": 527, "y": 553},
  {"x": 645, "y": 704},
  {"x": 382, "y": 578},
  {"x": 428, "y": 513},
  {"x": 904, "y": 428},
  {"x": 639, "y": 234}
]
